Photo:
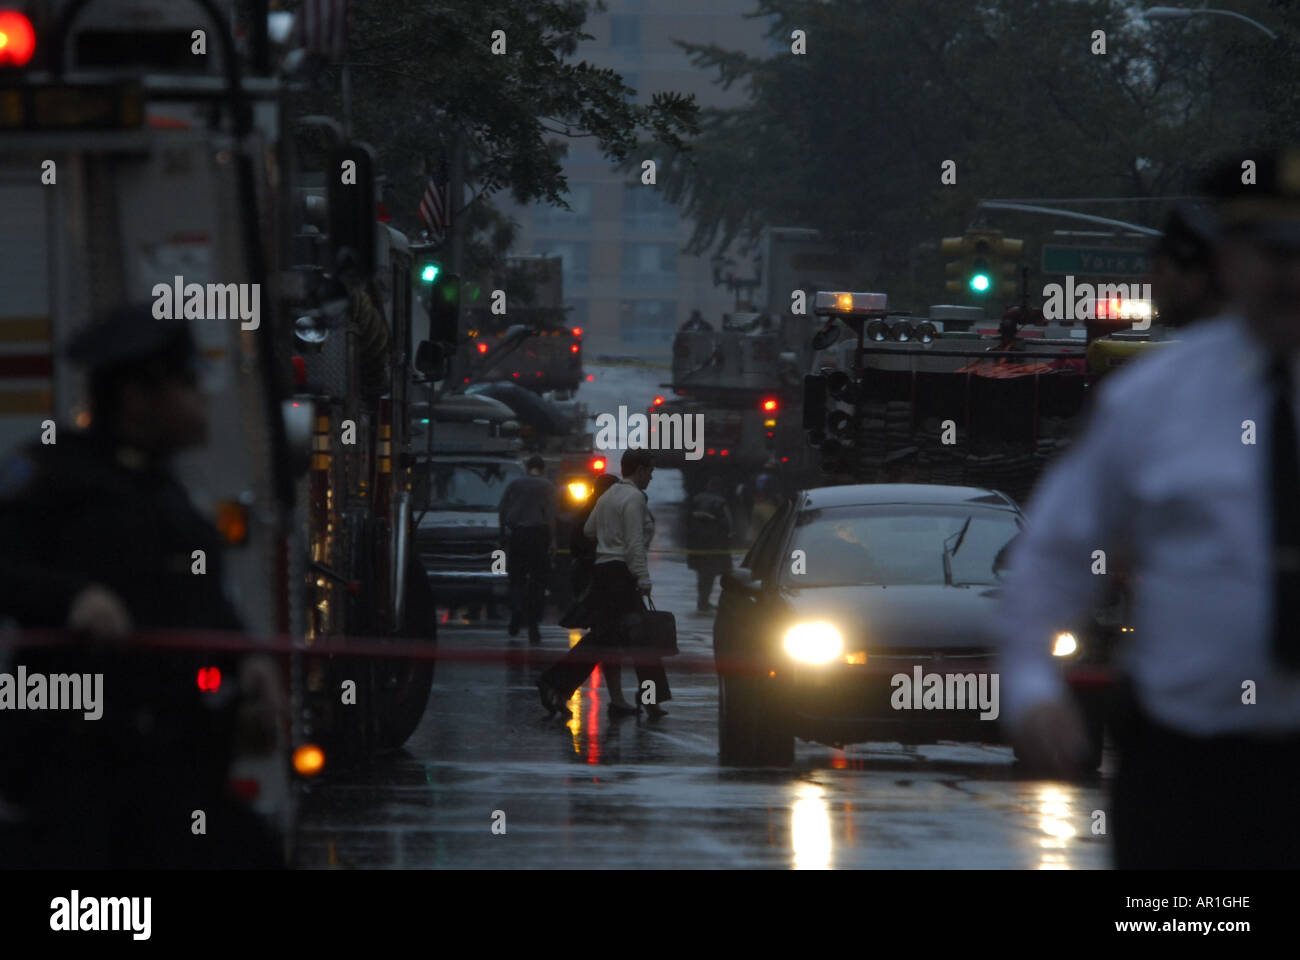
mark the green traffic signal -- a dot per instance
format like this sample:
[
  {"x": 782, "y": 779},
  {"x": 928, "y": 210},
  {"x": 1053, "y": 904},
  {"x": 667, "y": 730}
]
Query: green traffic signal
[
  {"x": 980, "y": 282},
  {"x": 430, "y": 273}
]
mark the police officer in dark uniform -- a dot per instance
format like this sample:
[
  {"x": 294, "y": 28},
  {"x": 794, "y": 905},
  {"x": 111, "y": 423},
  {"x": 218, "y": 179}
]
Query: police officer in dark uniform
[{"x": 99, "y": 538}]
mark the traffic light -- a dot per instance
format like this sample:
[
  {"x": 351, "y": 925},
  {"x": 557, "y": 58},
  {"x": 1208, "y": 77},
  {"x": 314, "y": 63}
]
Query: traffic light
[
  {"x": 982, "y": 263},
  {"x": 440, "y": 292},
  {"x": 979, "y": 274},
  {"x": 1009, "y": 255}
]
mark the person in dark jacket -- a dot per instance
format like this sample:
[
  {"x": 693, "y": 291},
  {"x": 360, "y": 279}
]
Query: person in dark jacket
[
  {"x": 708, "y": 539},
  {"x": 527, "y": 517},
  {"x": 98, "y": 541}
]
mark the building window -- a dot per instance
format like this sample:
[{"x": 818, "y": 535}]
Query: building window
[
  {"x": 645, "y": 209},
  {"x": 557, "y": 219},
  {"x": 625, "y": 37},
  {"x": 576, "y": 259},
  {"x": 649, "y": 266},
  {"x": 647, "y": 322}
]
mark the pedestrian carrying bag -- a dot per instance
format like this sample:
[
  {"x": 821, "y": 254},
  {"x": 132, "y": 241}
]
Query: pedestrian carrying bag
[{"x": 652, "y": 631}]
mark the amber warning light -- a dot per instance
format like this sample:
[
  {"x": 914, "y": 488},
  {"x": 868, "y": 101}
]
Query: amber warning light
[{"x": 17, "y": 39}]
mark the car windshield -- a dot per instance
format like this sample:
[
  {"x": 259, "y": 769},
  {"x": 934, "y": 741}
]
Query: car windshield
[
  {"x": 463, "y": 486},
  {"x": 899, "y": 544}
]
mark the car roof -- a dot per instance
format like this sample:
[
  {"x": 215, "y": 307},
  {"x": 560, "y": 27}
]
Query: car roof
[
  {"x": 862, "y": 494},
  {"x": 474, "y": 458}
]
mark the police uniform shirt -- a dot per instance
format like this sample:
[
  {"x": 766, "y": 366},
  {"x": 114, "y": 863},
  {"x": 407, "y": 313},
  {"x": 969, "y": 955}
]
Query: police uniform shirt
[{"x": 1173, "y": 471}]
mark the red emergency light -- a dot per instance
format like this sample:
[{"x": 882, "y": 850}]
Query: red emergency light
[
  {"x": 769, "y": 405},
  {"x": 17, "y": 39},
  {"x": 209, "y": 679}
]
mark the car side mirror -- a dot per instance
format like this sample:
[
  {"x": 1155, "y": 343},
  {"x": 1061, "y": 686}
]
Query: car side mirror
[{"x": 741, "y": 579}]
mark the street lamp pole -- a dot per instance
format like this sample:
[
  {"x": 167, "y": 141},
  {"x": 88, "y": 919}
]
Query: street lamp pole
[{"x": 1181, "y": 13}]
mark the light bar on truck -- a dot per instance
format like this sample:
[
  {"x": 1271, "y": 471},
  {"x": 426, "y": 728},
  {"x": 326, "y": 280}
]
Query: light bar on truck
[
  {"x": 843, "y": 304},
  {"x": 1117, "y": 308}
]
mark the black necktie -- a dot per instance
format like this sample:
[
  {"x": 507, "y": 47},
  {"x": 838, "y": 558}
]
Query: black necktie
[{"x": 1285, "y": 491}]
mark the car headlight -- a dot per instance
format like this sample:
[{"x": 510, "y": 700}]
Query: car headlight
[
  {"x": 818, "y": 642},
  {"x": 1065, "y": 645}
]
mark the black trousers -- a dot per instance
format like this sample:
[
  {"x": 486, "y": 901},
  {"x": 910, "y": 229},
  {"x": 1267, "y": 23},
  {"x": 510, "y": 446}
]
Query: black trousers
[
  {"x": 613, "y": 590},
  {"x": 1223, "y": 802},
  {"x": 528, "y": 568}
]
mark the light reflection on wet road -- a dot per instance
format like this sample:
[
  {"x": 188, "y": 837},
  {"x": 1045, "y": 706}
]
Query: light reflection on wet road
[{"x": 632, "y": 792}]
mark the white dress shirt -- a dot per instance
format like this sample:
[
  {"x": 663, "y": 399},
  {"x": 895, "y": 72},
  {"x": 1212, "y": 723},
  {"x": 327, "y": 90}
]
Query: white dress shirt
[
  {"x": 1162, "y": 473},
  {"x": 623, "y": 528}
]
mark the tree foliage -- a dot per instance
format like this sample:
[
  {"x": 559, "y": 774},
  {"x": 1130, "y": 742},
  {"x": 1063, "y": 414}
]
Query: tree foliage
[
  {"x": 850, "y": 137},
  {"x": 424, "y": 73}
]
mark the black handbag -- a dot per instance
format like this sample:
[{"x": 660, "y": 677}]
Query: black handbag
[
  {"x": 653, "y": 632},
  {"x": 579, "y": 616}
]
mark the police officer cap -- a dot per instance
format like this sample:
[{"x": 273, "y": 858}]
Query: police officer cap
[
  {"x": 1189, "y": 235},
  {"x": 131, "y": 337},
  {"x": 1268, "y": 206}
]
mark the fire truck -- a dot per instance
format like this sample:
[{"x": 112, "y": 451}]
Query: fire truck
[
  {"x": 549, "y": 357},
  {"x": 745, "y": 379},
  {"x": 128, "y": 162},
  {"x": 951, "y": 398}
]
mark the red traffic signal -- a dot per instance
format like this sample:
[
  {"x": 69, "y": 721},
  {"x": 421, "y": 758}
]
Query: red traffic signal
[
  {"x": 209, "y": 679},
  {"x": 770, "y": 405},
  {"x": 17, "y": 39}
]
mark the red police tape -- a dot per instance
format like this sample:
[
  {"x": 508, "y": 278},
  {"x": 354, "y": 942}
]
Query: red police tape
[{"x": 227, "y": 641}]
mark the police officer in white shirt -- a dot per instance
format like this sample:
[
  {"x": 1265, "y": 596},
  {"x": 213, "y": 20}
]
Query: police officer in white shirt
[{"x": 1190, "y": 469}]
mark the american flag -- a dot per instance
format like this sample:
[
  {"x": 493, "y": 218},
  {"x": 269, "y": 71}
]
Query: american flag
[
  {"x": 435, "y": 207},
  {"x": 323, "y": 28}
]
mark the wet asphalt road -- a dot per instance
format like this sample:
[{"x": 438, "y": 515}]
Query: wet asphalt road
[{"x": 626, "y": 793}]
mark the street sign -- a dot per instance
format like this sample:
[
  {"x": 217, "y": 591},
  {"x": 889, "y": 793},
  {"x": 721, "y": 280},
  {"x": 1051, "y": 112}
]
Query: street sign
[{"x": 1095, "y": 261}]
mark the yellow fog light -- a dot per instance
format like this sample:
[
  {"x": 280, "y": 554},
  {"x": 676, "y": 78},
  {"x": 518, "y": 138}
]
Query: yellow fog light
[
  {"x": 818, "y": 642},
  {"x": 579, "y": 491},
  {"x": 1065, "y": 645},
  {"x": 309, "y": 759}
]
